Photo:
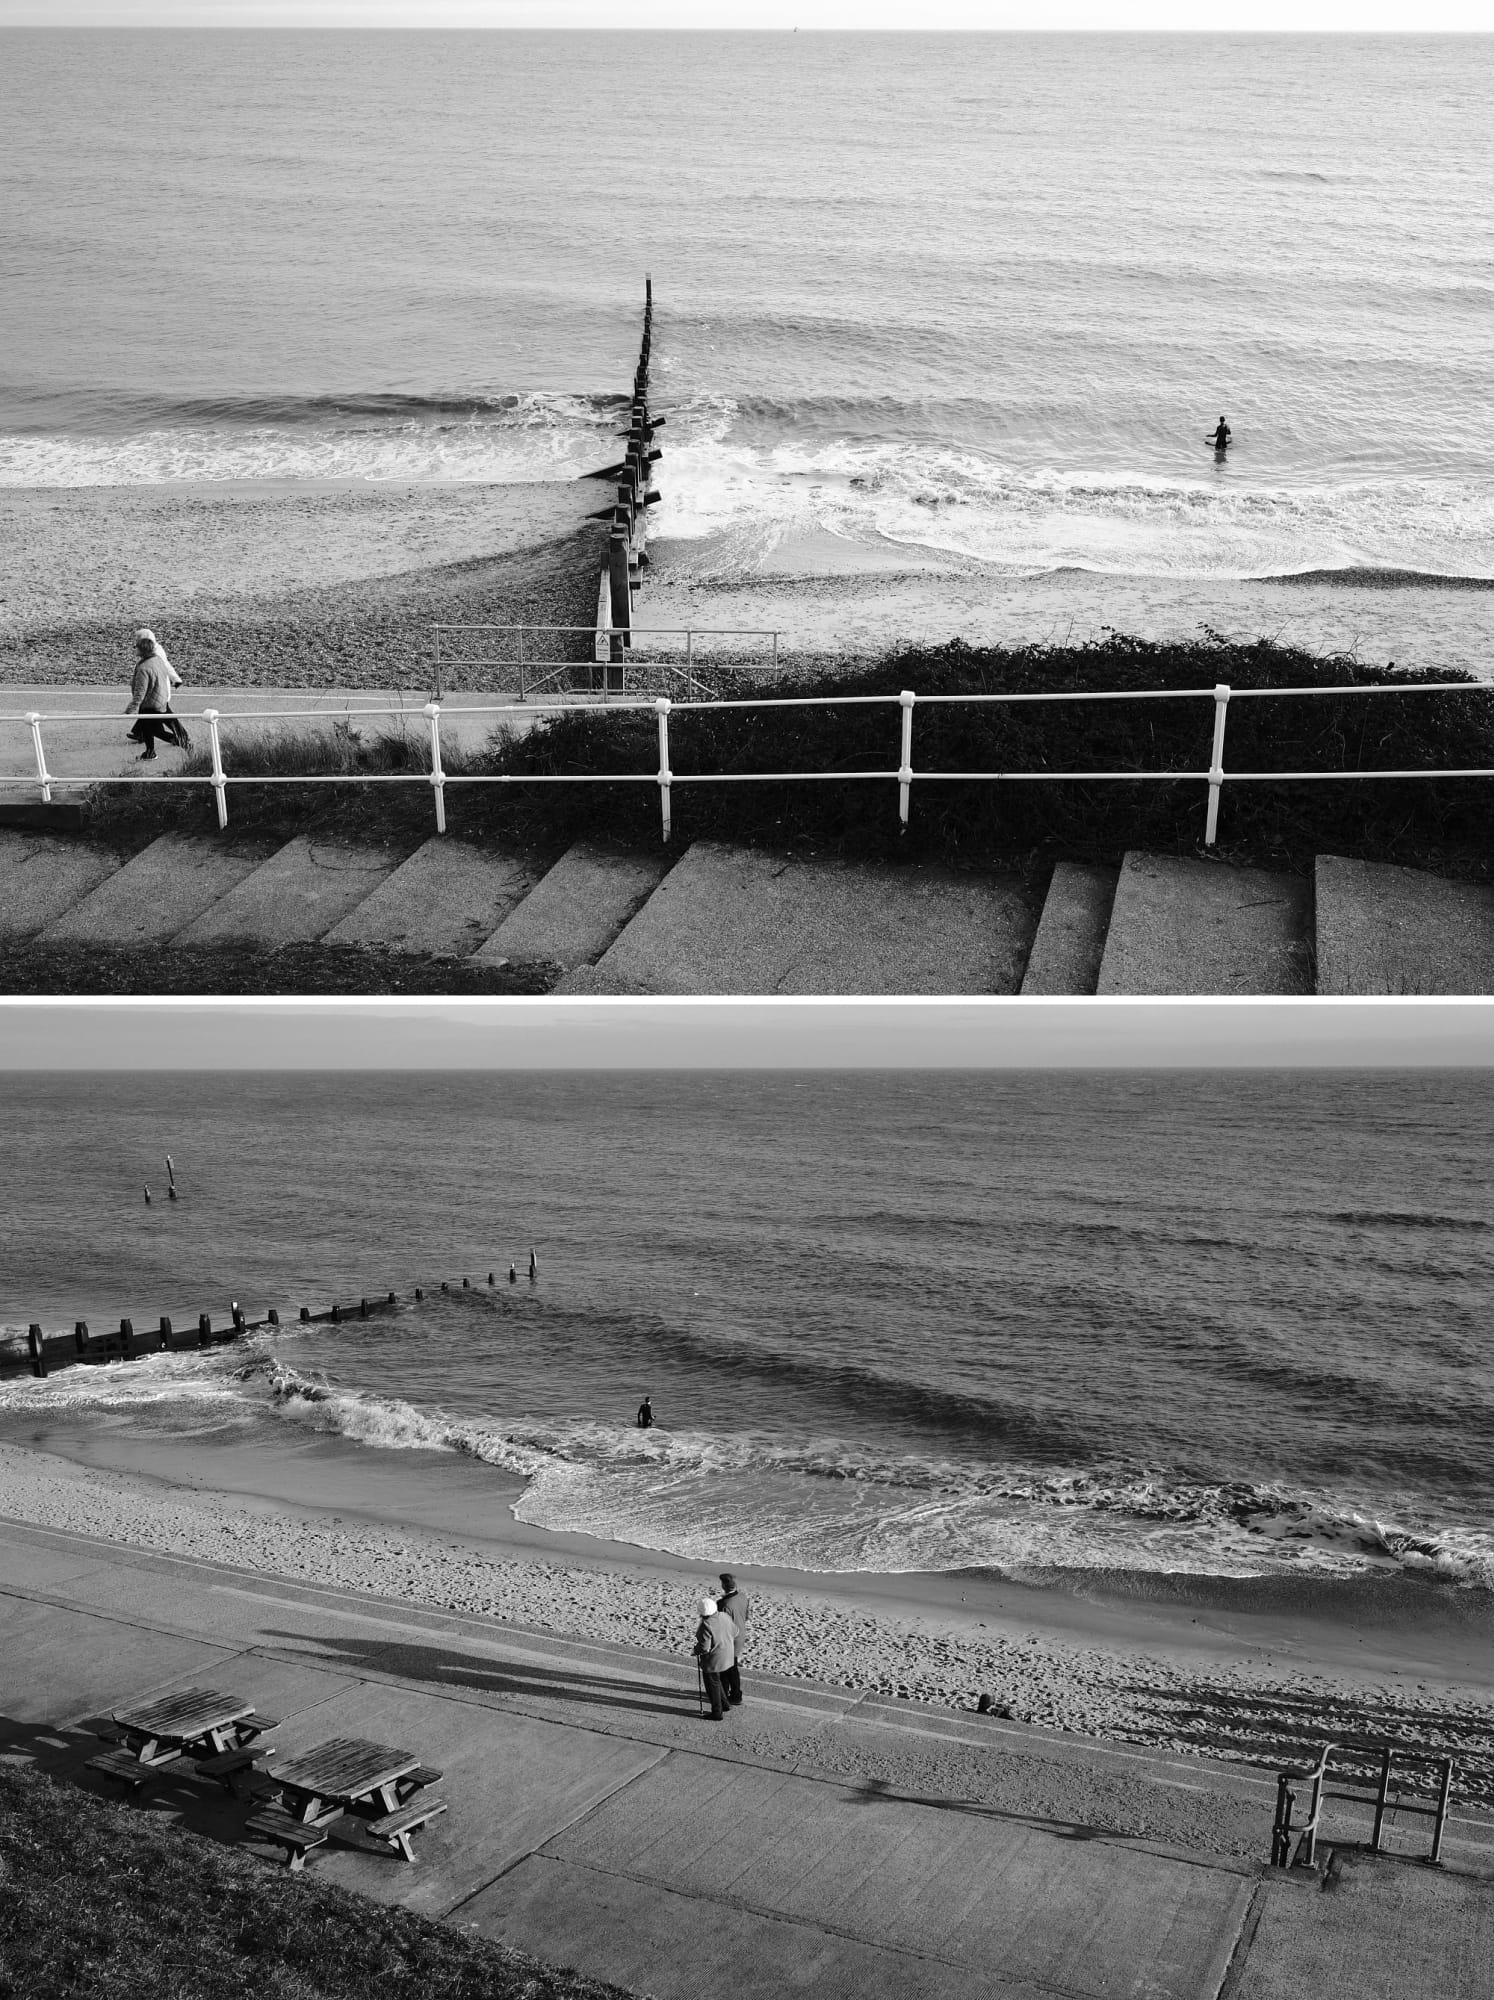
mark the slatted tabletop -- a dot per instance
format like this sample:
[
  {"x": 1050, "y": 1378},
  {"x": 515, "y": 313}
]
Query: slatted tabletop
[
  {"x": 186, "y": 1715},
  {"x": 346, "y": 1768}
]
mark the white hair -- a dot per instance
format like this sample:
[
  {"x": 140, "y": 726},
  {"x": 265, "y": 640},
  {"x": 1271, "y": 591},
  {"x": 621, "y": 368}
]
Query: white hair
[{"x": 707, "y": 1606}]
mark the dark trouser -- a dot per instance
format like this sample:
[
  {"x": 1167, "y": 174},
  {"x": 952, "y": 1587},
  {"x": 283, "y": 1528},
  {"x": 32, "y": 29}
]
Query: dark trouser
[
  {"x": 731, "y": 1683},
  {"x": 713, "y": 1689},
  {"x": 159, "y": 728}
]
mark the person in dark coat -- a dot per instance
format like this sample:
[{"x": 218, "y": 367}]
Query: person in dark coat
[
  {"x": 734, "y": 1603},
  {"x": 714, "y": 1652}
]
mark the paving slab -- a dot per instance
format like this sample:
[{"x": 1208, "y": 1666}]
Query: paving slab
[
  {"x": 510, "y": 1783},
  {"x": 300, "y": 893},
  {"x": 576, "y": 910},
  {"x": 741, "y": 920},
  {"x": 648, "y": 1938},
  {"x": 159, "y": 892},
  {"x": 42, "y": 875},
  {"x": 1182, "y": 926},
  {"x": 1400, "y": 930},
  {"x": 1070, "y": 941},
  {"x": 448, "y": 897},
  {"x": 61, "y": 1665},
  {"x": 946, "y": 1880},
  {"x": 1370, "y": 1930}
]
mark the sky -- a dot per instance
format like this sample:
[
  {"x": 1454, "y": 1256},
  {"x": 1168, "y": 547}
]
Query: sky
[
  {"x": 1413, "y": 16},
  {"x": 728, "y": 1034}
]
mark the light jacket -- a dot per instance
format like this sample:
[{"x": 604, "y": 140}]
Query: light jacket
[
  {"x": 150, "y": 690},
  {"x": 715, "y": 1643}
]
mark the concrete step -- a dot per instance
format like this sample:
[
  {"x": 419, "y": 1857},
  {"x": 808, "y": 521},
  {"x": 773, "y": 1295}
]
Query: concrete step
[
  {"x": 1070, "y": 941},
  {"x": 300, "y": 893},
  {"x": 1201, "y": 927},
  {"x": 43, "y": 874},
  {"x": 448, "y": 897},
  {"x": 740, "y": 920},
  {"x": 575, "y": 911},
  {"x": 158, "y": 893},
  {"x": 1398, "y": 930}
]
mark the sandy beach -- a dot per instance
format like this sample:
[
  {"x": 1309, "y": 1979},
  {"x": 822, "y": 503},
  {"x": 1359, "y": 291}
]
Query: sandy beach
[
  {"x": 1258, "y": 1683},
  {"x": 301, "y": 584}
]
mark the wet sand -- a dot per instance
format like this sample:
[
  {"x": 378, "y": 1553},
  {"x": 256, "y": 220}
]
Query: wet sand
[
  {"x": 1252, "y": 1676},
  {"x": 287, "y": 586}
]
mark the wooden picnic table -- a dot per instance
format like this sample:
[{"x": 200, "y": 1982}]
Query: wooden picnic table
[
  {"x": 189, "y": 1721},
  {"x": 346, "y": 1775}
]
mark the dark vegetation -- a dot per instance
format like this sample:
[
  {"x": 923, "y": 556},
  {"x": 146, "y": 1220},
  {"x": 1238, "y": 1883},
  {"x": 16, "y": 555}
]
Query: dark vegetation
[
  {"x": 1441, "y": 822},
  {"x": 105, "y": 1902},
  {"x": 254, "y": 969}
]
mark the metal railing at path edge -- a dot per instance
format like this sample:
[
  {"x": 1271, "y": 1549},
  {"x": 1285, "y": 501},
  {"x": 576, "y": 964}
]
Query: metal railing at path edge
[{"x": 904, "y": 774}]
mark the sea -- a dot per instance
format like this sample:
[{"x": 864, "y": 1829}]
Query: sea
[
  {"x": 978, "y": 299},
  {"x": 1158, "y": 1328}
]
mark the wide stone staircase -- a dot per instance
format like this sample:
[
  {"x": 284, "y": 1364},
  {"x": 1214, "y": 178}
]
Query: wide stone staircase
[{"x": 720, "y": 919}]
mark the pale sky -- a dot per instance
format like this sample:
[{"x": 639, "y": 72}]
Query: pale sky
[
  {"x": 1359, "y": 16},
  {"x": 729, "y": 1034}
]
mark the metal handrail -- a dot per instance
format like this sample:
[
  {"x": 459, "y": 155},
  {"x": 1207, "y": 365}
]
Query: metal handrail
[
  {"x": 665, "y": 778},
  {"x": 1297, "y": 1846}
]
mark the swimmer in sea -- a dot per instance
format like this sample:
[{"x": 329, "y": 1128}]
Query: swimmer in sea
[
  {"x": 645, "y": 1415},
  {"x": 1221, "y": 436}
]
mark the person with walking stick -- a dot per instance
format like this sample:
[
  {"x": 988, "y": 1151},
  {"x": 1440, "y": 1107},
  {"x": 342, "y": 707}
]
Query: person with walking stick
[{"x": 714, "y": 1653}]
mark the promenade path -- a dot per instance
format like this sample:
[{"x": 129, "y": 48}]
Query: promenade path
[{"x": 596, "y": 1821}]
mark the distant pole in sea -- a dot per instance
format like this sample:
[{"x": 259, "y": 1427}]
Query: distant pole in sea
[
  {"x": 534, "y": 1265},
  {"x": 171, "y": 1178},
  {"x": 147, "y": 1197}
]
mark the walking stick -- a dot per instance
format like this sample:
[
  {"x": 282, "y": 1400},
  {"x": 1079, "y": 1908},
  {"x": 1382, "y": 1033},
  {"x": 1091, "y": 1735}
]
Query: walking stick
[{"x": 699, "y": 1688}]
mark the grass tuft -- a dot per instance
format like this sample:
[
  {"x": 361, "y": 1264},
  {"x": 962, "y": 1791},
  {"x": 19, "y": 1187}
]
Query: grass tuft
[{"x": 105, "y": 1902}]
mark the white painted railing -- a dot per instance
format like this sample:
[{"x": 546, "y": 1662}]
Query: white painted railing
[{"x": 904, "y": 774}]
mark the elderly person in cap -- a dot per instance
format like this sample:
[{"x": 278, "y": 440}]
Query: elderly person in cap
[
  {"x": 150, "y": 696},
  {"x": 734, "y": 1603},
  {"x": 715, "y": 1652}
]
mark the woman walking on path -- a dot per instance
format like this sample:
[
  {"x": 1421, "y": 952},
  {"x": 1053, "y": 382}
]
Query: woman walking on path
[{"x": 150, "y": 695}]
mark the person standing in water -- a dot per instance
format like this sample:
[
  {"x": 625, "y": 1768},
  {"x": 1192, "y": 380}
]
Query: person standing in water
[
  {"x": 645, "y": 1417},
  {"x": 1221, "y": 436}
]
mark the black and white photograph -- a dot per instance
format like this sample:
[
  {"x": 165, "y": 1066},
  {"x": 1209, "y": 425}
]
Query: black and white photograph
[{"x": 746, "y": 1000}]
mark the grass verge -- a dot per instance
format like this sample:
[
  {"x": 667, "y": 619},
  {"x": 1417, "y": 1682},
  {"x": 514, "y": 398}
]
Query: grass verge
[
  {"x": 255, "y": 969},
  {"x": 1280, "y": 823},
  {"x": 104, "y": 1902}
]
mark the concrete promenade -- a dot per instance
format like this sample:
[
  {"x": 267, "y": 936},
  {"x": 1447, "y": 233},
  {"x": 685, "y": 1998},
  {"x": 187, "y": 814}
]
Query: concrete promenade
[{"x": 596, "y": 1821}]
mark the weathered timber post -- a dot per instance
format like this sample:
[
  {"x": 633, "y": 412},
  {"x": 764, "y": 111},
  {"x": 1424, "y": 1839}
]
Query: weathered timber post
[
  {"x": 80, "y": 1335},
  {"x": 37, "y": 1350},
  {"x": 165, "y": 1333}
]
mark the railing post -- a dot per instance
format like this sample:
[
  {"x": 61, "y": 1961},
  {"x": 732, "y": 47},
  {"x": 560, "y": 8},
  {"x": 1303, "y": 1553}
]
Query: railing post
[
  {"x": 666, "y": 776},
  {"x": 1386, "y": 1756},
  {"x": 210, "y": 717},
  {"x": 1216, "y": 764},
  {"x": 1281, "y": 1831},
  {"x": 34, "y": 718},
  {"x": 521, "y": 663},
  {"x": 438, "y": 776},
  {"x": 905, "y": 766},
  {"x": 1443, "y": 1790},
  {"x": 689, "y": 644}
]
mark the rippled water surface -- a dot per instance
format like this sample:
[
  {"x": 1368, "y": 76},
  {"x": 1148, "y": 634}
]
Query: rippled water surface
[
  {"x": 984, "y": 294},
  {"x": 1230, "y": 1325}
]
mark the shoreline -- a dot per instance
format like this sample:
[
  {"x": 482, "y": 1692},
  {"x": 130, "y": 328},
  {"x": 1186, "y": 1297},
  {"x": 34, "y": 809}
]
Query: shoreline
[{"x": 1249, "y": 1683}]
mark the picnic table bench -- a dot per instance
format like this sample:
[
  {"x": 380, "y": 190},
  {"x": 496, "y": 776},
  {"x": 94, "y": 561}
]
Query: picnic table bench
[
  {"x": 383, "y": 1790},
  {"x": 217, "y": 1732}
]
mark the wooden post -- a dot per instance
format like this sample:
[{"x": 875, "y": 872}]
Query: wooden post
[
  {"x": 363, "y": 1308},
  {"x": 336, "y": 1316},
  {"x": 622, "y": 608},
  {"x": 38, "y": 1353},
  {"x": 126, "y": 1338},
  {"x": 80, "y": 1335},
  {"x": 273, "y": 1316},
  {"x": 165, "y": 1333},
  {"x": 305, "y": 1314},
  {"x": 204, "y": 1329}
]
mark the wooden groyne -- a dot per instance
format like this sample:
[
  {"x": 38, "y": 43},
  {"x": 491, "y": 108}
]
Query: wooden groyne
[
  {"x": 43, "y": 1354},
  {"x": 626, "y": 557}
]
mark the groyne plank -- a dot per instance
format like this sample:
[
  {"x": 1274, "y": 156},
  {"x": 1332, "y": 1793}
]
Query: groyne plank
[
  {"x": 158, "y": 893},
  {"x": 740, "y": 920},
  {"x": 575, "y": 911},
  {"x": 1070, "y": 942},
  {"x": 42, "y": 875},
  {"x": 300, "y": 893},
  {"x": 1382, "y": 929},
  {"x": 1199, "y": 927},
  {"x": 448, "y": 897}
]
